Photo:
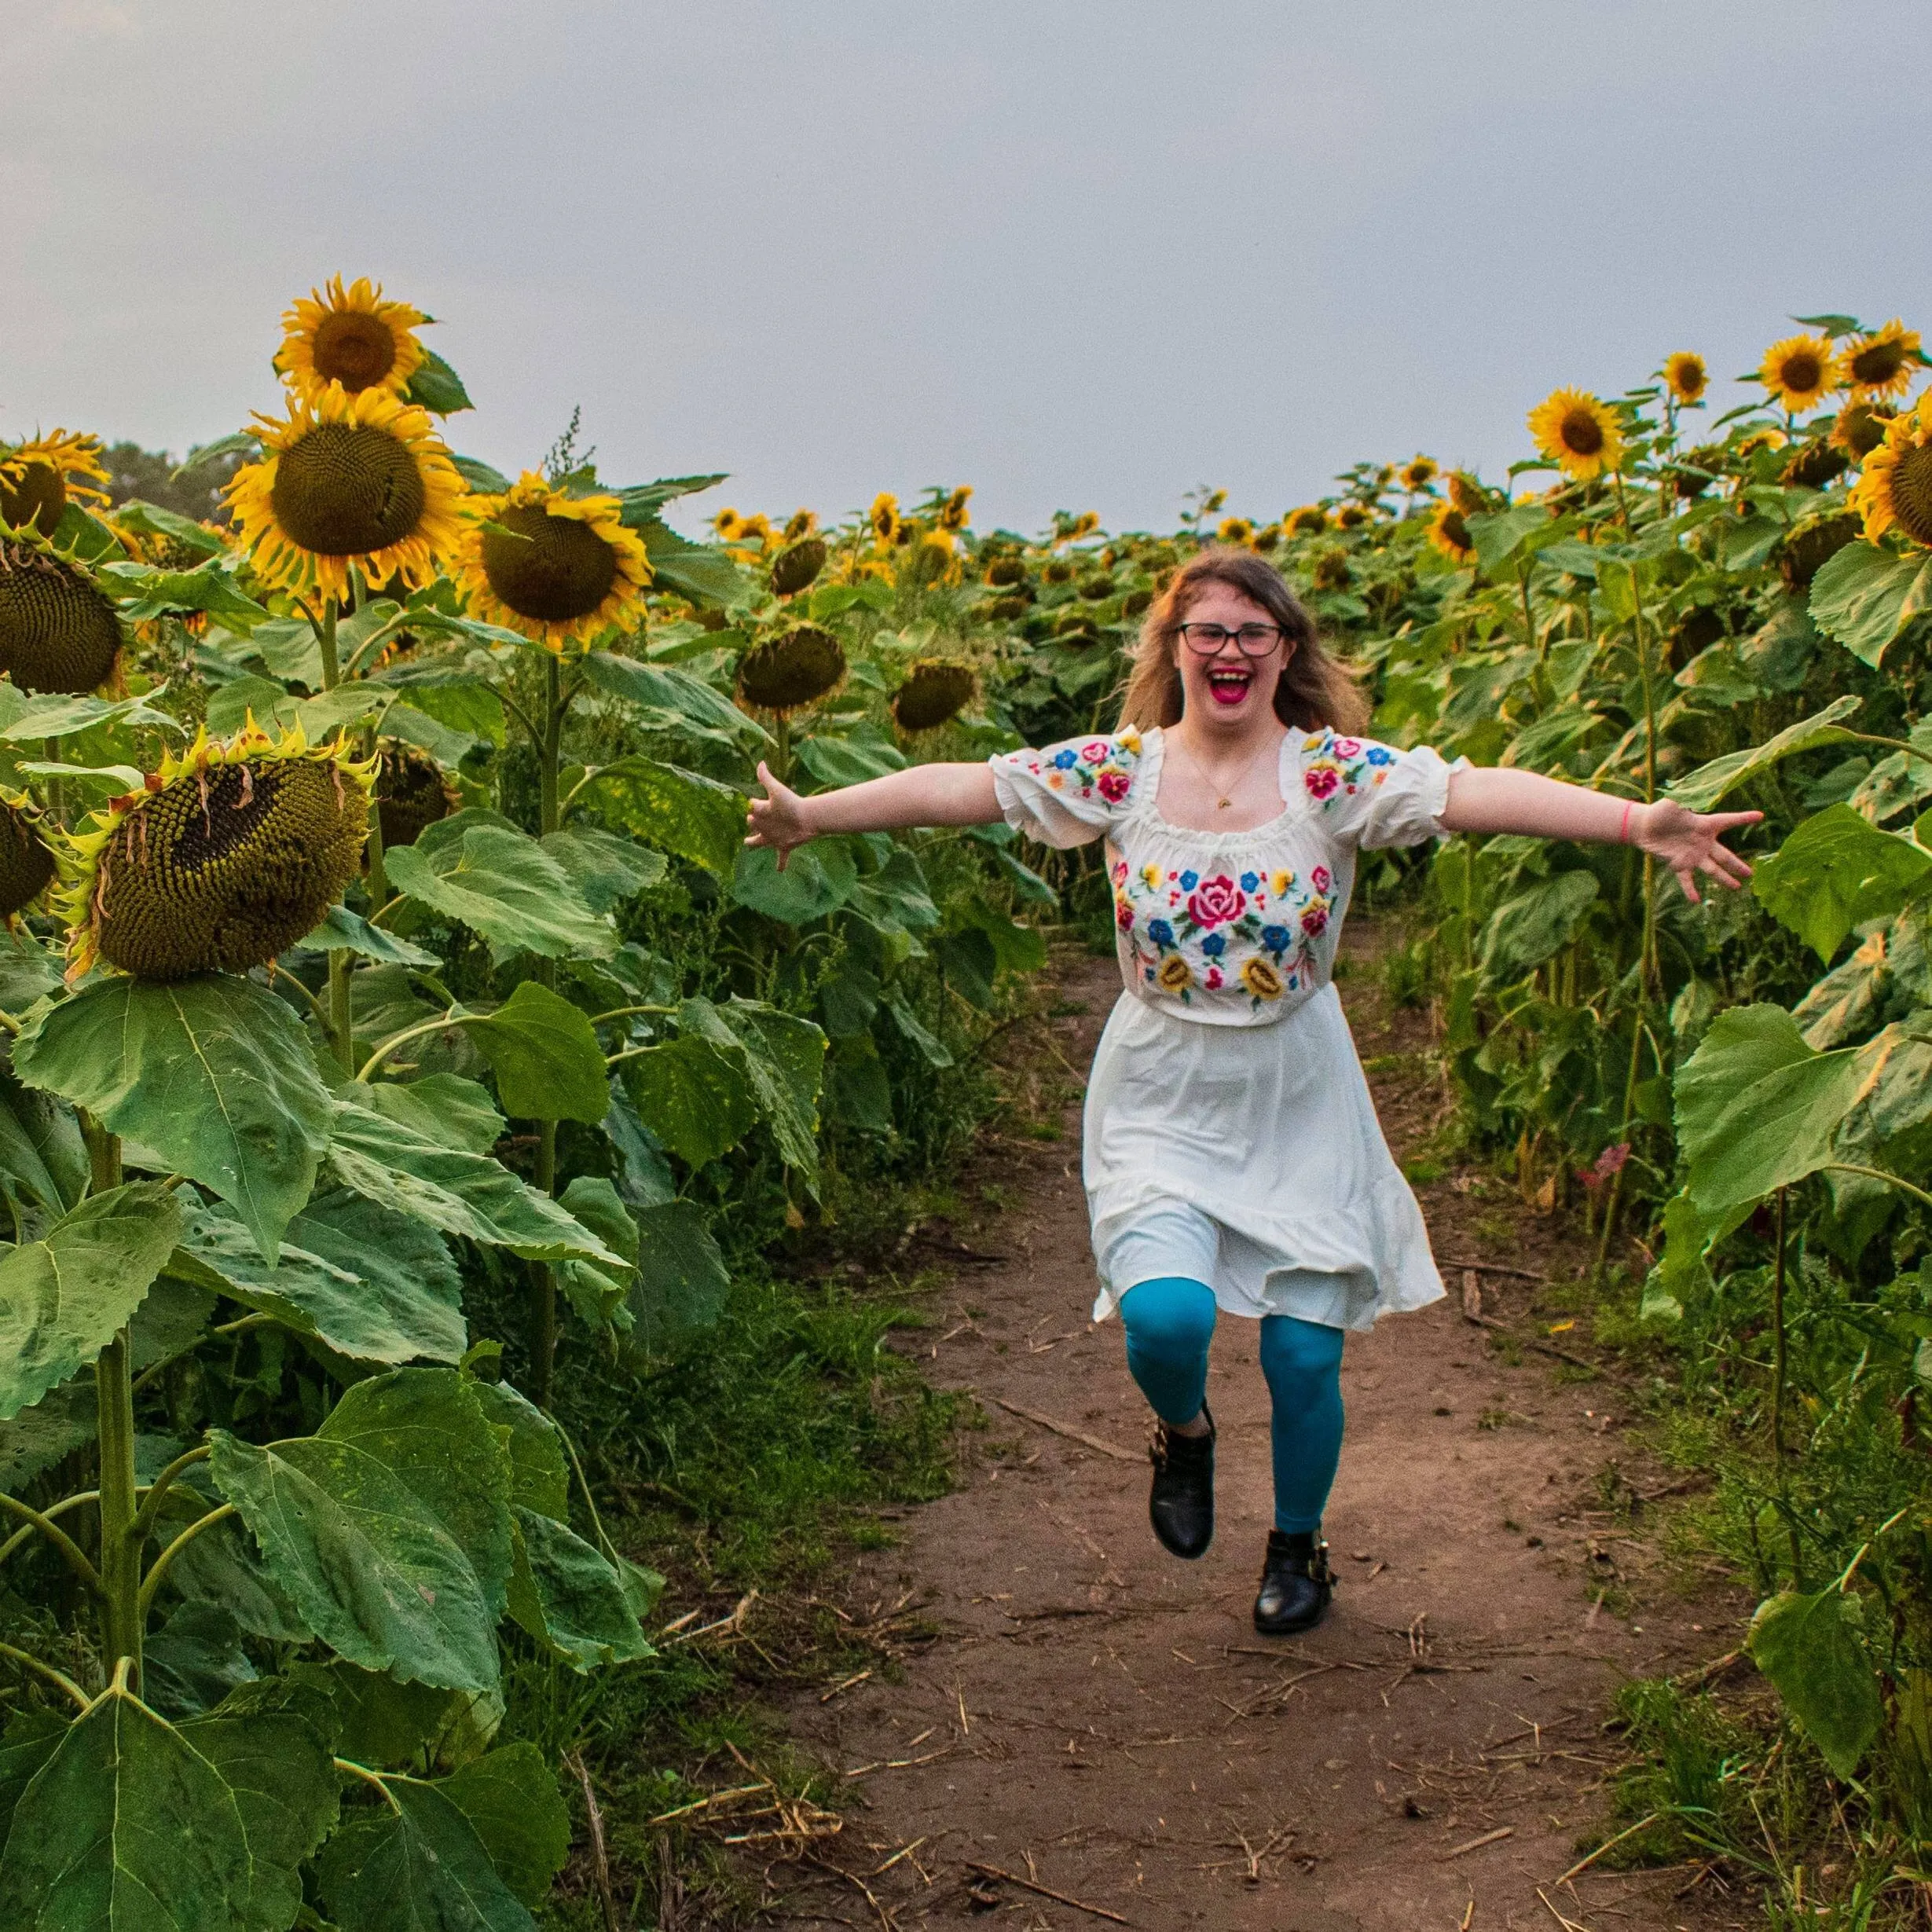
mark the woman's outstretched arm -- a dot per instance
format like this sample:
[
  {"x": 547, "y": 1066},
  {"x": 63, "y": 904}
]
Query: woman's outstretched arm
[
  {"x": 922, "y": 795},
  {"x": 1492, "y": 799}
]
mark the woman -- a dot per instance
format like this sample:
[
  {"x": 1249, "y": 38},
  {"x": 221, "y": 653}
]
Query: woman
[{"x": 1233, "y": 1160}]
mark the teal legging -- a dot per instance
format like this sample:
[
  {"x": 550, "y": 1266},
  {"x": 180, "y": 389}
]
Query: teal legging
[{"x": 1169, "y": 1324}]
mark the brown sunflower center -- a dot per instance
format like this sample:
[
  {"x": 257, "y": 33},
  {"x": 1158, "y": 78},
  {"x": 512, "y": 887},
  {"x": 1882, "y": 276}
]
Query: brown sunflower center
[
  {"x": 553, "y": 570},
  {"x": 1582, "y": 435},
  {"x": 353, "y": 348},
  {"x": 1911, "y": 492},
  {"x": 1455, "y": 529},
  {"x": 37, "y": 496},
  {"x": 346, "y": 489},
  {"x": 1877, "y": 362},
  {"x": 1802, "y": 372},
  {"x": 57, "y": 632}
]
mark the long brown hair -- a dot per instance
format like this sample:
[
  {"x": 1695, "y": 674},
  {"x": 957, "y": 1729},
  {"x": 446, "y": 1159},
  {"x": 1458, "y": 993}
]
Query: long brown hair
[{"x": 1314, "y": 690}]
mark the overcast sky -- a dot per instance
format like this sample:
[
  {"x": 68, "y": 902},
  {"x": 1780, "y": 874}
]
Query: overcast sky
[{"x": 1081, "y": 256}]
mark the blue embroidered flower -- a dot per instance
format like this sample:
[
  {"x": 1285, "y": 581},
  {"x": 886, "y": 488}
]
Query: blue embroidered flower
[
  {"x": 1214, "y": 944},
  {"x": 1277, "y": 939},
  {"x": 1381, "y": 754},
  {"x": 1160, "y": 932},
  {"x": 1066, "y": 760},
  {"x": 1189, "y": 881},
  {"x": 1250, "y": 882}
]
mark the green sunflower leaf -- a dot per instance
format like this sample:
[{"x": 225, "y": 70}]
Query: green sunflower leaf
[
  {"x": 544, "y": 1053},
  {"x": 502, "y": 884}
]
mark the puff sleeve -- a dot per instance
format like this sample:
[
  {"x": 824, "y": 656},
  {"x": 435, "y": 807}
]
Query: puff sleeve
[
  {"x": 1368, "y": 795},
  {"x": 1070, "y": 794}
]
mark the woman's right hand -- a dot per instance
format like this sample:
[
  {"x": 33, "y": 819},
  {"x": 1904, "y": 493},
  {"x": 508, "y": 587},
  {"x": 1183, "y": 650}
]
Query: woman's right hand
[{"x": 778, "y": 820}]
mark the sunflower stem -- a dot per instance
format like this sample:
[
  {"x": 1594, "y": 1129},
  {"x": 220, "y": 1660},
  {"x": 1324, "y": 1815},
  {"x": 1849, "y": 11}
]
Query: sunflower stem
[
  {"x": 378, "y": 877},
  {"x": 1778, "y": 1341},
  {"x": 341, "y": 1019},
  {"x": 121, "y": 1618},
  {"x": 543, "y": 1308}
]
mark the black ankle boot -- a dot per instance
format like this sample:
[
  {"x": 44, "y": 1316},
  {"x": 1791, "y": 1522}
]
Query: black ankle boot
[
  {"x": 1181, "y": 1504},
  {"x": 1296, "y": 1584}
]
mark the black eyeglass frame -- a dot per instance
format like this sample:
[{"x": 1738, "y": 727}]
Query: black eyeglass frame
[{"x": 1222, "y": 635}]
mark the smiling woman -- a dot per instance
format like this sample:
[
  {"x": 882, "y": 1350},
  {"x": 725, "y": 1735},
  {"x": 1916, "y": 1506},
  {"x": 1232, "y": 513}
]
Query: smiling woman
[{"x": 1233, "y": 1160}]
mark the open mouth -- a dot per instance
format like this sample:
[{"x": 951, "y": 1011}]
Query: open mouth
[{"x": 1228, "y": 684}]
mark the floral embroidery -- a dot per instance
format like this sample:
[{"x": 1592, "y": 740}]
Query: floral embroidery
[
  {"x": 1214, "y": 901},
  {"x": 1105, "y": 766},
  {"x": 1338, "y": 768},
  {"x": 1174, "y": 975},
  {"x": 1261, "y": 979}
]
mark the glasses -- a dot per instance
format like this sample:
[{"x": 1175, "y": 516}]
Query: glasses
[{"x": 1254, "y": 640}]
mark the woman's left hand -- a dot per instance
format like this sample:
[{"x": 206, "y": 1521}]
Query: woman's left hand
[{"x": 1690, "y": 842}]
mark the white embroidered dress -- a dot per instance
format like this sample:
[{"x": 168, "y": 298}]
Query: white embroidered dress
[{"x": 1229, "y": 1132}]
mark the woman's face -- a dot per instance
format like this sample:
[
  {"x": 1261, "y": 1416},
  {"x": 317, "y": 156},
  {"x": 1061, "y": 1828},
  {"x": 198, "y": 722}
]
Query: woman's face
[{"x": 1222, "y": 688}]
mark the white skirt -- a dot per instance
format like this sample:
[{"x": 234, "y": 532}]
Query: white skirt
[{"x": 1249, "y": 1157}]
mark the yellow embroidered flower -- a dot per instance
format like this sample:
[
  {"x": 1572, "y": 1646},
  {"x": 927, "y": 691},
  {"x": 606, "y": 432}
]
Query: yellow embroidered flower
[
  {"x": 1128, "y": 741},
  {"x": 1174, "y": 975},
  {"x": 1262, "y": 980},
  {"x": 1151, "y": 876},
  {"x": 1280, "y": 882}
]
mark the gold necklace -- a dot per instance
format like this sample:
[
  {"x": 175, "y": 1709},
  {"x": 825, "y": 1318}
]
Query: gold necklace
[{"x": 1224, "y": 804}]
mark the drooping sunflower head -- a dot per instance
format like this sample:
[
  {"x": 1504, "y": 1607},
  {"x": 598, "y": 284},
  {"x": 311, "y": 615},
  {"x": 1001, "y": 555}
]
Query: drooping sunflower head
[
  {"x": 800, "y": 523},
  {"x": 1798, "y": 371},
  {"x": 936, "y": 690},
  {"x": 1088, "y": 521},
  {"x": 1859, "y": 428},
  {"x": 1467, "y": 494},
  {"x": 39, "y": 478},
  {"x": 795, "y": 569},
  {"x": 359, "y": 481},
  {"x": 953, "y": 513},
  {"x": 26, "y": 863},
  {"x": 1003, "y": 570},
  {"x": 1878, "y": 368},
  {"x": 1059, "y": 571},
  {"x": 558, "y": 568},
  {"x": 1578, "y": 433},
  {"x": 1449, "y": 534},
  {"x": 412, "y": 794},
  {"x": 1811, "y": 545},
  {"x": 229, "y": 854},
  {"x": 1894, "y": 488},
  {"x": 1418, "y": 473},
  {"x": 1332, "y": 571},
  {"x": 1309, "y": 518},
  {"x": 1686, "y": 376},
  {"x": 57, "y": 631},
  {"x": 351, "y": 336},
  {"x": 1816, "y": 462},
  {"x": 884, "y": 516},
  {"x": 787, "y": 673}
]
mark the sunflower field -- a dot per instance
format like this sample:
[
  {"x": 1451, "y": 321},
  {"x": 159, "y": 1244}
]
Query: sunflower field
[{"x": 409, "y": 1071}]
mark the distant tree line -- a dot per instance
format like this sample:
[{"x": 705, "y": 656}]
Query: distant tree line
[{"x": 150, "y": 474}]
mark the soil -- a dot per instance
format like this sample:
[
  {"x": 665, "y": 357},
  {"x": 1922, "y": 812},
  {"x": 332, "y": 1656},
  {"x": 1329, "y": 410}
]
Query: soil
[{"x": 1099, "y": 1723}]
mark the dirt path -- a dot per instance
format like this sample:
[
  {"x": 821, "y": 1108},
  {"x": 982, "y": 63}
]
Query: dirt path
[{"x": 1101, "y": 1720}]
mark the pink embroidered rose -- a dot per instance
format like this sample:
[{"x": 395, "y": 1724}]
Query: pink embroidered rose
[
  {"x": 1345, "y": 747},
  {"x": 1214, "y": 901},
  {"x": 1320, "y": 875},
  {"x": 1123, "y": 915},
  {"x": 1314, "y": 919},
  {"x": 1113, "y": 786},
  {"x": 1098, "y": 752},
  {"x": 1321, "y": 780}
]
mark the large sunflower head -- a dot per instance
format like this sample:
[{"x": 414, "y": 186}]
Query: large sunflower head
[
  {"x": 1798, "y": 371},
  {"x": 57, "y": 631},
  {"x": 1877, "y": 368},
  {"x": 936, "y": 690},
  {"x": 884, "y": 516},
  {"x": 555, "y": 566},
  {"x": 1816, "y": 462},
  {"x": 358, "y": 481},
  {"x": 39, "y": 478},
  {"x": 1467, "y": 494},
  {"x": 351, "y": 336},
  {"x": 1418, "y": 473},
  {"x": 1894, "y": 488},
  {"x": 1686, "y": 376},
  {"x": 229, "y": 854},
  {"x": 797, "y": 567},
  {"x": 1859, "y": 428},
  {"x": 785, "y": 673},
  {"x": 1577, "y": 433},
  {"x": 26, "y": 863},
  {"x": 1449, "y": 534}
]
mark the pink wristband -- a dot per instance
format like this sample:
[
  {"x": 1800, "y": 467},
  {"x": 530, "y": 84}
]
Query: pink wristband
[{"x": 1623, "y": 830}]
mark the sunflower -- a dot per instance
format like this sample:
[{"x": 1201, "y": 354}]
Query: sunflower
[
  {"x": 40, "y": 477},
  {"x": 1895, "y": 486},
  {"x": 1466, "y": 494},
  {"x": 936, "y": 690},
  {"x": 1577, "y": 433},
  {"x": 884, "y": 516},
  {"x": 57, "y": 631},
  {"x": 1311, "y": 516},
  {"x": 725, "y": 523},
  {"x": 556, "y": 567},
  {"x": 227, "y": 856},
  {"x": 1352, "y": 516},
  {"x": 1816, "y": 463},
  {"x": 349, "y": 482},
  {"x": 1005, "y": 571},
  {"x": 800, "y": 523},
  {"x": 1332, "y": 571},
  {"x": 1686, "y": 376},
  {"x": 26, "y": 863},
  {"x": 798, "y": 566},
  {"x": 1860, "y": 428},
  {"x": 1450, "y": 534},
  {"x": 1798, "y": 371},
  {"x": 952, "y": 515},
  {"x": 351, "y": 336},
  {"x": 1419, "y": 473},
  {"x": 1234, "y": 529},
  {"x": 785, "y": 673},
  {"x": 1088, "y": 521},
  {"x": 1878, "y": 368},
  {"x": 412, "y": 794}
]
